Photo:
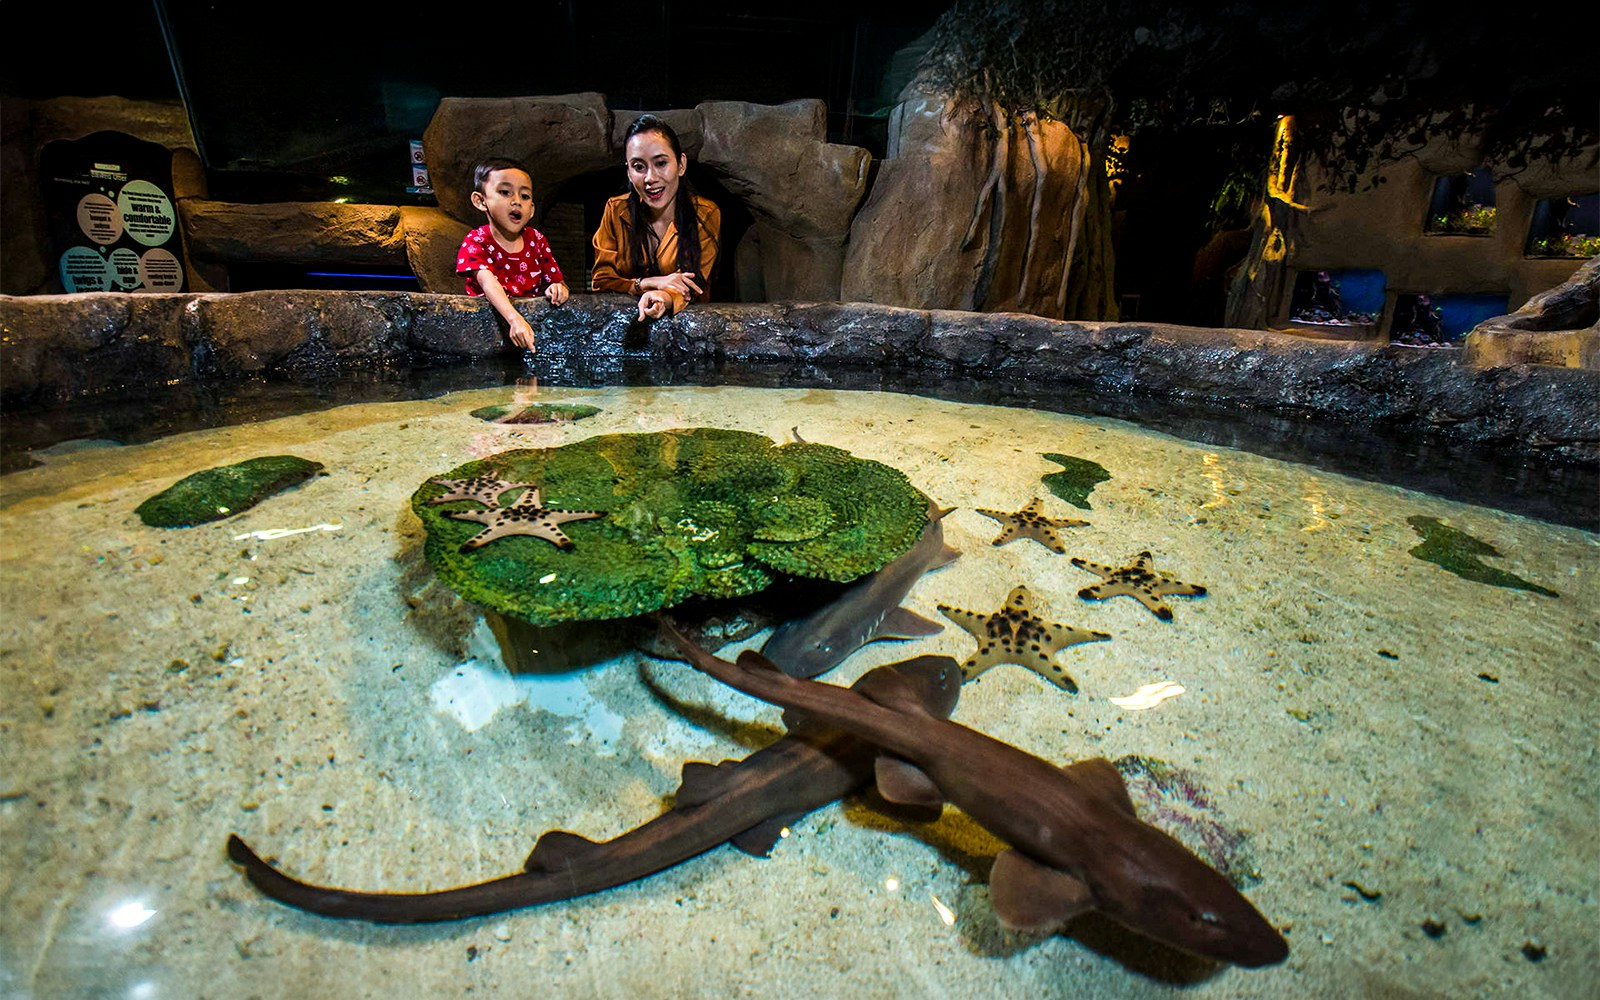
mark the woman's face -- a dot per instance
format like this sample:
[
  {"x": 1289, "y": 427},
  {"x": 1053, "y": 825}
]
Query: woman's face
[{"x": 653, "y": 170}]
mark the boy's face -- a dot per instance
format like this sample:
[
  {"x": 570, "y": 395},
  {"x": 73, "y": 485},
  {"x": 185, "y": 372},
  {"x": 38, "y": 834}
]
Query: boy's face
[{"x": 507, "y": 198}]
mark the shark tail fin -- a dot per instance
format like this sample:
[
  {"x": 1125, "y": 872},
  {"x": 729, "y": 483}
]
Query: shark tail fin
[{"x": 558, "y": 850}]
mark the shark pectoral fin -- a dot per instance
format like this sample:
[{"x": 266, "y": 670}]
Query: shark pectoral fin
[
  {"x": 558, "y": 850},
  {"x": 1101, "y": 778},
  {"x": 904, "y": 782},
  {"x": 888, "y": 687},
  {"x": 903, "y": 623},
  {"x": 946, "y": 556},
  {"x": 703, "y": 782},
  {"x": 758, "y": 840},
  {"x": 1029, "y": 896}
]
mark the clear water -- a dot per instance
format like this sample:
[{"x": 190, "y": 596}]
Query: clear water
[{"x": 1406, "y": 756}]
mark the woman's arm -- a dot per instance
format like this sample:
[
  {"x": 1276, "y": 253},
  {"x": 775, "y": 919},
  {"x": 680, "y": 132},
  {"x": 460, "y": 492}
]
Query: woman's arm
[{"x": 608, "y": 248}]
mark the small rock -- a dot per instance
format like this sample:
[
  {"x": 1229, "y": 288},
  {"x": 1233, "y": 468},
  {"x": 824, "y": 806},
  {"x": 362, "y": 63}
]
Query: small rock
[
  {"x": 1533, "y": 951},
  {"x": 502, "y": 931},
  {"x": 1433, "y": 928}
]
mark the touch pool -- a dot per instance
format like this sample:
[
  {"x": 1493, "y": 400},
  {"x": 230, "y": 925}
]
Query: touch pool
[{"x": 1394, "y": 760}]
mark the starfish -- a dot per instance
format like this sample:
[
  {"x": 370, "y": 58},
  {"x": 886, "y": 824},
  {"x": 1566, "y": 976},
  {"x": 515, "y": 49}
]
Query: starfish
[
  {"x": 1137, "y": 580},
  {"x": 1014, "y": 634},
  {"x": 1029, "y": 522},
  {"x": 528, "y": 516},
  {"x": 484, "y": 489}
]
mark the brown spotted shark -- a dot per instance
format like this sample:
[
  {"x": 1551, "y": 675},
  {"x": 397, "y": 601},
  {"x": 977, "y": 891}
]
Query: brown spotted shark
[
  {"x": 1076, "y": 843},
  {"x": 747, "y": 803},
  {"x": 867, "y": 611}
]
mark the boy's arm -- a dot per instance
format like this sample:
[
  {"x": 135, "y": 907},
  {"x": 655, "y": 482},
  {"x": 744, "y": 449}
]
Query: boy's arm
[{"x": 521, "y": 332}]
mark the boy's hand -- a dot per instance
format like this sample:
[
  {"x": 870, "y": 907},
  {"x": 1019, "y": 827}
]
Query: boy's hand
[
  {"x": 557, "y": 293},
  {"x": 521, "y": 332},
  {"x": 653, "y": 305}
]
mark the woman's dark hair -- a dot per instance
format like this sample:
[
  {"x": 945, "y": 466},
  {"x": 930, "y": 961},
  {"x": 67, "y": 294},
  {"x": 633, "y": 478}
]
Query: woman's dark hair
[
  {"x": 642, "y": 239},
  {"x": 480, "y": 173}
]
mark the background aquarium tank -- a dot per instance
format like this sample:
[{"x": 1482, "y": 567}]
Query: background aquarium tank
[
  {"x": 1441, "y": 321},
  {"x": 1462, "y": 205},
  {"x": 1565, "y": 227},
  {"x": 1338, "y": 298}
]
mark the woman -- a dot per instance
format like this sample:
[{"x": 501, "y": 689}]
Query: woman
[{"x": 658, "y": 242}]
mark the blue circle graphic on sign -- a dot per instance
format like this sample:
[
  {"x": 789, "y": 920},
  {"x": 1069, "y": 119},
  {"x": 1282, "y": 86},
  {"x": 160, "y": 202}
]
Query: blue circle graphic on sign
[{"x": 84, "y": 270}]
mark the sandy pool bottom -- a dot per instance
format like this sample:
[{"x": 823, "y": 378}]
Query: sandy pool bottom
[{"x": 1408, "y": 756}]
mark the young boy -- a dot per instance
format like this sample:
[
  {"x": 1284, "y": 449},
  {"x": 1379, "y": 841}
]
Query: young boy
[{"x": 507, "y": 258}]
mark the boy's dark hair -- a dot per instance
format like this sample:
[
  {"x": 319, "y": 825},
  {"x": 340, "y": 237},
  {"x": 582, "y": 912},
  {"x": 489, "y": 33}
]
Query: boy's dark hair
[
  {"x": 481, "y": 172},
  {"x": 641, "y": 252}
]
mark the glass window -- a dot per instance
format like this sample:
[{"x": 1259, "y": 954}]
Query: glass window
[
  {"x": 1565, "y": 227},
  {"x": 1338, "y": 298},
  {"x": 1462, "y": 205}
]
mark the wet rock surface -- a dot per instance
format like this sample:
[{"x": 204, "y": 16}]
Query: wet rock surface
[{"x": 63, "y": 347}]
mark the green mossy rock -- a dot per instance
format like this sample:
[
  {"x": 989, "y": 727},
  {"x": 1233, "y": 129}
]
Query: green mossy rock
[
  {"x": 695, "y": 512},
  {"x": 1076, "y": 480},
  {"x": 538, "y": 413},
  {"x": 1458, "y": 552},
  {"x": 222, "y": 492}
]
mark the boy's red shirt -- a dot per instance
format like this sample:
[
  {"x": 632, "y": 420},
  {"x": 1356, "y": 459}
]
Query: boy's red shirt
[{"x": 529, "y": 272}]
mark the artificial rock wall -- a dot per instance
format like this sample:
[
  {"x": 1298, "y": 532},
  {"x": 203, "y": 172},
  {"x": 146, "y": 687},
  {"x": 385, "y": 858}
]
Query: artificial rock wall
[{"x": 54, "y": 347}]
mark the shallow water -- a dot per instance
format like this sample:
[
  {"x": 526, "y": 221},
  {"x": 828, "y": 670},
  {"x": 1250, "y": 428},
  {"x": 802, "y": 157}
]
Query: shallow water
[{"x": 1398, "y": 747}]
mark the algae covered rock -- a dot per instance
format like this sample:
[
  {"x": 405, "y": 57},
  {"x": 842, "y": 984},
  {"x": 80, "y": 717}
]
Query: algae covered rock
[
  {"x": 214, "y": 494},
  {"x": 536, "y": 413},
  {"x": 694, "y": 512}
]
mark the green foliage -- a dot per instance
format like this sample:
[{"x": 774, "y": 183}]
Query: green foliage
[
  {"x": 1476, "y": 220},
  {"x": 214, "y": 494},
  {"x": 1566, "y": 245},
  {"x": 690, "y": 512}
]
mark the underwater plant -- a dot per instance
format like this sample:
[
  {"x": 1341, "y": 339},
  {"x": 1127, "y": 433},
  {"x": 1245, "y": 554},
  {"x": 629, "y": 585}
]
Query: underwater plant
[{"x": 693, "y": 512}]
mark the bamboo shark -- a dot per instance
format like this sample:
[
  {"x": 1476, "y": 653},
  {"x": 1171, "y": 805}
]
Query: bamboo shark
[
  {"x": 1075, "y": 842},
  {"x": 867, "y": 611},
  {"x": 746, "y": 802}
]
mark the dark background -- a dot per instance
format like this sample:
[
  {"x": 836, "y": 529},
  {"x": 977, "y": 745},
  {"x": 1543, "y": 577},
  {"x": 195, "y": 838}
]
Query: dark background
[{"x": 282, "y": 96}]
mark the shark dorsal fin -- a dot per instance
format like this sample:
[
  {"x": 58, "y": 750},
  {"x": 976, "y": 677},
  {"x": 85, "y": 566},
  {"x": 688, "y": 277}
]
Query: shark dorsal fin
[
  {"x": 557, "y": 851},
  {"x": 703, "y": 782},
  {"x": 1029, "y": 896},
  {"x": 759, "y": 839},
  {"x": 903, "y": 623},
  {"x": 1101, "y": 779},
  {"x": 904, "y": 782}
]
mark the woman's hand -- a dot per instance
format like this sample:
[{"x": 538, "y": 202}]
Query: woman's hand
[
  {"x": 682, "y": 282},
  {"x": 653, "y": 305}
]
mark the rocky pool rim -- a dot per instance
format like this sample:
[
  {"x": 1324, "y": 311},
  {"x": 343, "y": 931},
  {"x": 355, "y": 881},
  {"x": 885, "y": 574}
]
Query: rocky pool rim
[{"x": 1524, "y": 438}]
